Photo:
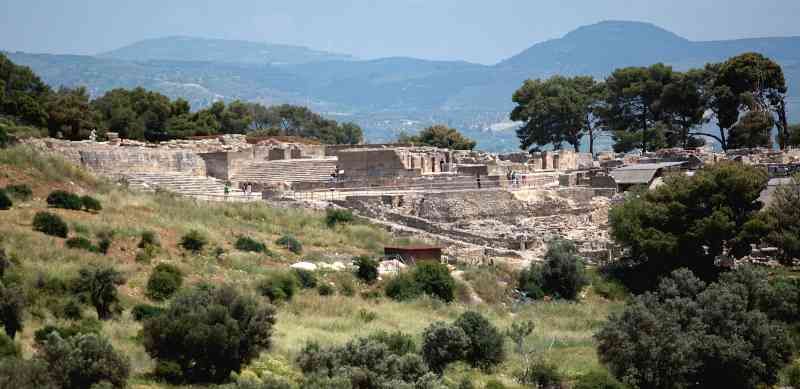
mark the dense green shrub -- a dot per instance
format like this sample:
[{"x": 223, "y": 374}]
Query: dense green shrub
[
  {"x": 16, "y": 373},
  {"x": 103, "y": 245},
  {"x": 5, "y": 201},
  {"x": 563, "y": 274},
  {"x": 245, "y": 243},
  {"x": 598, "y": 380},
  {"x": 540, "y": 374},
  {"x": 338, "y": 216},
  {"x": 402, "y": 287},
  {"x": 84, "y": 360},
  {"x": 443, "y": 344},
  {"x": 209, "y": 332},
  {"x": 148, "y": 239},
  {"x": 307, "y": 278},
  {"x": 435, "y": 280},
  {"x": 86, "y": 326},
  {"x": 793, "y": 375},
  {"x": 72, "y": 310},
  {"x": 8, "y": 349},
  {"x": 194, "y": 241},
  {"x": 278, "y": 286},
  {"x": 366, "y": 269},
  {"x": 325, "y": 289},
  {"x": 290, "y": 243},
  {"x": 142, "y": 312},
  {"x": 65, "y": 200},
  {"x": 164, "y": 281},
  {"x": 12, "y": 304},
  {"x": 21, "y": 192},
  {"x": 486, "y": 347},
  {"x": 78, "y": 242},
  {"x": 366, "y": 362},
  {"x": 98, "y": 285},
  {"x": 688, "y": 334},
  {"x": 50, "y": 224},
  {"x": 91, "y": 204}
]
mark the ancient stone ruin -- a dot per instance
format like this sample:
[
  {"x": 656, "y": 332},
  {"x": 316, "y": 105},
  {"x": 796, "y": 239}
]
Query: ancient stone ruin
[{"x": 481, "y": 205}]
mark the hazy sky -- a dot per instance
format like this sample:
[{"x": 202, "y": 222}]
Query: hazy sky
[{"x": 484, "y": 31}]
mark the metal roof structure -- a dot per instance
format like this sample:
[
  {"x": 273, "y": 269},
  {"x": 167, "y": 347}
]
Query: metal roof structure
[{"x": 642, "y": 173}]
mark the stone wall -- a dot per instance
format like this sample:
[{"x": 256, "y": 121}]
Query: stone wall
[{"x": 359, "y": 163}]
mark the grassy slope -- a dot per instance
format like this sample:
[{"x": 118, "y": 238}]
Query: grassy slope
[{"x": 563, "y": 330}]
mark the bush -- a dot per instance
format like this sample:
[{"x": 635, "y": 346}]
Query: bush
[
  {"x": 65, "y": 200},
  {"x": 18, "y": 373},
  {"x": 7, "y": 347},
  {"x": 402, "y": 287},
  {"x": 91, "y": 204},
  {"x": 687, "y": 334},
  {"x": 564, "y": 273},
  {"x": 443, "y": 344},
  {"x": 367, "y": 362},
  {"x": 307, "y": 278},
  {"x": 164, "y": 281},
  {"x": 12, "y": 304},
  {"x": 325, "y": 289},
  {"x": 72, "y": 310},
  {"x": 793, "y": 375},
  {"x": 50, "y": 224},
  {"x": 194, "y": 241},
  {"x": 435, "y": 280},
  {"x": 142, "y": 312},
  {"x": 290, "y": 243},
  {"x": 598, "y": 380},
  {"x": 103, "y": 245},
  {"x": 79, "y": 243},
  {"x": 208, "y": 333},
  {"x": 99, "y": 286},
  {"x": 486, "y": 347},
  {"x": 5, "y": 201},
  {"x": 244, "y": 243},
  {"x": 88, "y": 326},
  {"x": 148, "y": 239},
  {"x": 540, "y": 374},
  {"x": 366, "y": 269},
  {"x": 562, "y": 276},
  {"x": 278, "y": 286},
  {"x": 338, "y": 216},
  {"x": 84, "y": 360},
  {"x": 21, "y": 192}
]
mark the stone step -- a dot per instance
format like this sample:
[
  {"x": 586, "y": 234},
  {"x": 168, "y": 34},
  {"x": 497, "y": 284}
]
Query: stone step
[{"x": 300, "y": 170}]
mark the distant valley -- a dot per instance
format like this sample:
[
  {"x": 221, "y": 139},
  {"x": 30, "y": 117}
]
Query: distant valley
[{"x": 387, "y": 95}]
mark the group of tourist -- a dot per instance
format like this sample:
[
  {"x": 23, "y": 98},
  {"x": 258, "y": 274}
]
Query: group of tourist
[{"x": 516, "y": 178}]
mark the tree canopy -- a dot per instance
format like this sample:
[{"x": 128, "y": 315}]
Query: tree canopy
[
  {"x": 439, "y": 136},
  {"x": 689, "y": 222},
  {"x": 556, "y": 111}
]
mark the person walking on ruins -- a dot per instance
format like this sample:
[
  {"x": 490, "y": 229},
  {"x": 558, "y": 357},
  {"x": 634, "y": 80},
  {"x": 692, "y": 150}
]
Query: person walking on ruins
[
  {"x": 478, "y": 178},
  {"x": 227, "y": 190}
]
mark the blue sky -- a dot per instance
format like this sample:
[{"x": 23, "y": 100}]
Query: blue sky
[{"x": 474, "y": 30}]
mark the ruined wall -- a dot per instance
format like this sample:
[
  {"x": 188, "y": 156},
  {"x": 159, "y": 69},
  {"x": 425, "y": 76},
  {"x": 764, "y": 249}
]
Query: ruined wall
[{"x": 449, "y": 207}]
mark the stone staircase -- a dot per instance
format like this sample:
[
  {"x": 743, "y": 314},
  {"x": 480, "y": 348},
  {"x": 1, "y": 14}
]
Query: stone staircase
[
  {"x": 292, "y": 170},
  {"x": 186, "y": 185}
]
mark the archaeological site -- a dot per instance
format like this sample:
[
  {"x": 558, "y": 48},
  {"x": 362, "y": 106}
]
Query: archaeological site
[{"x": 480, "y": 207}]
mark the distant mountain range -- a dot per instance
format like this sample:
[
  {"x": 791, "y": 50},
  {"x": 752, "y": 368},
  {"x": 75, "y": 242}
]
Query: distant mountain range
[{"x": 388, "y": 95}]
